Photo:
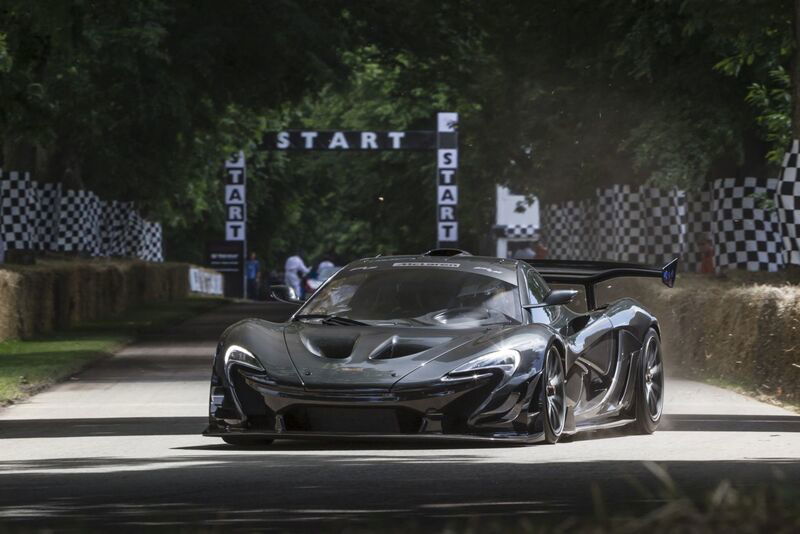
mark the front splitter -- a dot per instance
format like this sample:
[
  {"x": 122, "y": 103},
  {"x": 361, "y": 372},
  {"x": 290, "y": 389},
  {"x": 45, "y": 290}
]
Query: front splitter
[{"x": 352, "y": 436}]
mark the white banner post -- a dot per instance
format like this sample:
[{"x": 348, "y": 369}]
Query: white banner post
[
  {"x": 446, "y": 183},
  {"x": 236, "y": 208}
]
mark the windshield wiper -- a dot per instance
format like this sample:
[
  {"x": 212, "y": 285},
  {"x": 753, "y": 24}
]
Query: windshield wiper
[{"x": 330, "y": 319}]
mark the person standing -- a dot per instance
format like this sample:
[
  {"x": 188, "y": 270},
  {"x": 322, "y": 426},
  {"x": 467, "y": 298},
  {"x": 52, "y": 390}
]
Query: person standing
[
  {"x": 294, "y": 271},
  {"x": 525, "y": 253},
  {"x": 253, "y": 275}
]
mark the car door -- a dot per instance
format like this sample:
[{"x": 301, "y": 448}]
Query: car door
[{"x": 590, "y": 346}]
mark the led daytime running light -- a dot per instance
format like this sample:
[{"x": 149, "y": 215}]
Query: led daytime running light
[
  {"x": 240, "y": 355},
  {"x": 506, "y": 360}
]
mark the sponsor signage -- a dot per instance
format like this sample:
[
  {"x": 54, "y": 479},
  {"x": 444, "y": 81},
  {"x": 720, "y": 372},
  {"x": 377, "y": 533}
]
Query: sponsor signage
[{"x": 227, "y": 257}]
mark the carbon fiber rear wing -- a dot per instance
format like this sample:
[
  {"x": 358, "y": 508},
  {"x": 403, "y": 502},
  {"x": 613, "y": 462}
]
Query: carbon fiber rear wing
[{"x": 589, "y": 273}]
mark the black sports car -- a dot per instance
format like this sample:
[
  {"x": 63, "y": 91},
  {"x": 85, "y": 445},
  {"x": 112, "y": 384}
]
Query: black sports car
[{"x": 444, "y": 345}]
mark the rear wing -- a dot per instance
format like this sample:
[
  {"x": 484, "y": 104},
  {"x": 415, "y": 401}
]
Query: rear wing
[{"x": 589, "y": 273}]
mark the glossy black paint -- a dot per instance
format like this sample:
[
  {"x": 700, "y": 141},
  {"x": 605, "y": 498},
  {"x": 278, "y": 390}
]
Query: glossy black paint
[{"x": 387, "y": 381}]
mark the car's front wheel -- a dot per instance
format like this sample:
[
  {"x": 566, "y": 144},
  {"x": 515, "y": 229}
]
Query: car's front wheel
[
  {"x": 649, "y": 385},
  {"x": 553, "y": 396},
  {"x": 244, "y": 441}
]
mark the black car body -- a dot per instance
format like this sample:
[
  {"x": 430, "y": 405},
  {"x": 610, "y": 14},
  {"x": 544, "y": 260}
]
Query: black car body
[{"x": 443, "y": 345}]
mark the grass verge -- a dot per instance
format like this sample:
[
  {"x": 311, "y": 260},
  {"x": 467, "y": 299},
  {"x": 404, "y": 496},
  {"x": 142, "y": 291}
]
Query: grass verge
[{"x": 28, "y": 366}]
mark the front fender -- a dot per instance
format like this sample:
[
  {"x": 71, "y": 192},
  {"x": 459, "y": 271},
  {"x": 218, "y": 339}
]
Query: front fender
[{"x": 266, "y": 342}]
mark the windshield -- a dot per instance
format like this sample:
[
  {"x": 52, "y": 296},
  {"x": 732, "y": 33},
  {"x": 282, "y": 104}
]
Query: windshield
[{"x": 419, "y": 296}]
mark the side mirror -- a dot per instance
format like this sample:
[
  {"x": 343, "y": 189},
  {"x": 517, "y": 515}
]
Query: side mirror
[
  {"x": 285, "y": 294},
  {"x": 554, "y": 298}
]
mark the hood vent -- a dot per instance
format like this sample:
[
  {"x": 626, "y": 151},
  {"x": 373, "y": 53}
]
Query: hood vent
[
  {"x": 397, "y": 347},
  {"x": 336, "y": 347}
]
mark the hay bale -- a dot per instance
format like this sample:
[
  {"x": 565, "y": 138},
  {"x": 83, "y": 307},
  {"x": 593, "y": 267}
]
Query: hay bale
[
  {"x": 731, "y": 330},
  {"x": 54, "y": 294}
]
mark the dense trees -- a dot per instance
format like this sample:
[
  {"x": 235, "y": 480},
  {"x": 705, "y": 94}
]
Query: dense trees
[{"x": 140, "y": 100}]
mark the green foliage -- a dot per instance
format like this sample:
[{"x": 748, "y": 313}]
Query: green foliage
[
  {"x": 143, "y": 100},
  {"x": 774, "y": 111}
]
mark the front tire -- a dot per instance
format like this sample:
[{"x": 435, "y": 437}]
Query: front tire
[
  {"x": 553, "y": 399},
  {"x": 244, "y": 441},
  {"x": 649, "y": 385}
]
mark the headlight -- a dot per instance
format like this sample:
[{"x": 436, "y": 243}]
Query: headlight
[
  {"x": 240, "y": 355},
  {"x": 504, "y": 360}
]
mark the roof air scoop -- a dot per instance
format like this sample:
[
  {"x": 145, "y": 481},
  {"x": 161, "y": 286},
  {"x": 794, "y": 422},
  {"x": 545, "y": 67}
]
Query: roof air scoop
[{"x": 447, "y": 252}]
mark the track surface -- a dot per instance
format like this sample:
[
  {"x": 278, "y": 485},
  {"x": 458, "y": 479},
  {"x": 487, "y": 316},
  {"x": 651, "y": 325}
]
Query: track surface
[{"x": 121, "y": 444}]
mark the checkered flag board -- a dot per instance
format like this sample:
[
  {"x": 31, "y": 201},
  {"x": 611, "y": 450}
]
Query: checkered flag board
[
  {"x": 630, "y": 239},
  {"x": 518, "y": 231},
  {"x": 48, "y": 200},
  {"x": 698, "y": 229},
  {"x": 114, "y": 219},
  {"x": 150, "y": 244},
  {"x": 17, "y": 227},
  {"x": 788, "y": 201},
  {"x": 746, "y": 231},
  {"x": 79, "y": 222},
  {"x": 605, "y": 223},
  {"x": 645, "y": 225},
  {"x": 134, "y": 232},
  {"x": 664, "y": 223},
  {"x": 564, "y": 227},
  {"x": 42, "y": 216}
]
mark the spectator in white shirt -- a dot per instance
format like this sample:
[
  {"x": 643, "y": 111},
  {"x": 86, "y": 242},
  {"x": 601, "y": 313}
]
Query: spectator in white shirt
[{"x": 294, "y": 271}]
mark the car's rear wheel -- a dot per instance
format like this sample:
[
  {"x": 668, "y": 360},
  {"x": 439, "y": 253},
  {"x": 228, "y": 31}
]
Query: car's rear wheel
[
  {"x": 244, "y": 441},
  {"x": 553, "y": 396},
  {"x": 649, "y": 385}
]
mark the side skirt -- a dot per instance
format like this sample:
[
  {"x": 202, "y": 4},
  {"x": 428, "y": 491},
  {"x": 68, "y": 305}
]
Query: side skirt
[{"x": 604, "y": 426}]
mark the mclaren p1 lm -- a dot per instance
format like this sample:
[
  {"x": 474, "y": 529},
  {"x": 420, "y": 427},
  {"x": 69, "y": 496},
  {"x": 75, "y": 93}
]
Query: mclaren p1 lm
[{"x": 444, "y": 345}]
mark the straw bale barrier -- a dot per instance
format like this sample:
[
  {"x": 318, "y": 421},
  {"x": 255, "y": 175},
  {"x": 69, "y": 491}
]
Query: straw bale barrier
[
  {"x": 738, "y": 332},
  {"x": 56, "y": 294}
]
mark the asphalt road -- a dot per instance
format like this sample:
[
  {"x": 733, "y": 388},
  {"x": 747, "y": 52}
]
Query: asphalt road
[{"x": 121, "y": 444}]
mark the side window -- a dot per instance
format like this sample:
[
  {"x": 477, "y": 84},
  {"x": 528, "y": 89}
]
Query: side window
[
  {"x": 537, "y": 291},
  {"x": 537, "y": 288}
]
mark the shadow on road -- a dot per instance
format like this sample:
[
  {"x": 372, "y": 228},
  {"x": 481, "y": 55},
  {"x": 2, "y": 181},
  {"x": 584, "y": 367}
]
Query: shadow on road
[
  {"x": 170, "y": 426},
  {"x": 325, "y": 492}
]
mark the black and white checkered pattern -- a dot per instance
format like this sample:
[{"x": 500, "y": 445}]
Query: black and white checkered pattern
[
  {"x": 40, "y": 216},
  {"x": 653, "y": 226},
  {"x": 746, "y": 233},
  {"x": 788, "y": 202},
  {"x": 698, "y": 217},
  {"x": 150, "y": 247},
  {"x": 664, "y": 222},
  {"x": 79, "y": 222},
  {"x": 134, "y": 232},
  {"x": 15, "y": 206},
  {"x": 48, "y": 201},
  {"x": 563, "y": 227},
  {"x": 518, "y": 231},
  {"x": 112, "y": 230}
]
